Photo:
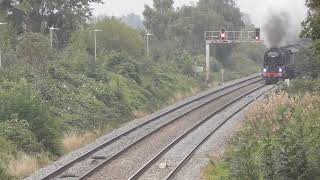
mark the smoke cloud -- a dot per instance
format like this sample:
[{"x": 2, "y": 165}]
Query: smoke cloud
[
  {"x": 279, "y": 20},
  {"x": 277, "y": 29}
]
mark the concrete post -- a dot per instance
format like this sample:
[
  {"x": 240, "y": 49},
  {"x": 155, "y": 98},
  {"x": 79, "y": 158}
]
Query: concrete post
[{"x": 207, "y": 62}]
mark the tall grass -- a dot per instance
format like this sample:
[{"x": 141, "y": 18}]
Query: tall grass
[{"x": 280, "y": 139}]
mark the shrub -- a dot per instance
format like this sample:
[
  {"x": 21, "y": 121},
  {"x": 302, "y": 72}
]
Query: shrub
[
  {"x": 20, "y": 101},
  {"x": 301, "y": 86},
  {"x": 34, "y": 49},
  {"x": 279, "y": 141},
  {"x": 116, "y": 36},
  {"x": 218, "y": 171},
  {"x": 6, "y": 152},
  {"x": 183, "y": 60},
  {"x": 123, "y": 64},
  {"x": 216, "y": 65},
  {"x": 4, "y": 172},
  {"x": 17, "y": 131}
]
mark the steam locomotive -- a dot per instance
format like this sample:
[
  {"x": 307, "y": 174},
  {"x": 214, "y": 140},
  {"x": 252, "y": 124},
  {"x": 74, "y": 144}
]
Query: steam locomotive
[{"x": 281, "y": 63}]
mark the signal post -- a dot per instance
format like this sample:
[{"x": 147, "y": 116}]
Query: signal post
[{"x": 228, "y": 37}]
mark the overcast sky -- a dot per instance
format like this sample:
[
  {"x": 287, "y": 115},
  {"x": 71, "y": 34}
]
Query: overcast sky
[
  {"x": 256, "y": 8},
  {"x": 259, "y": 10},
  {"x": 121, "y": 7}
]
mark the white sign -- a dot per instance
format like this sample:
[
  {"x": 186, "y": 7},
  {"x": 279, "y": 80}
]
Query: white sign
[{"x": 197, "y": 69}]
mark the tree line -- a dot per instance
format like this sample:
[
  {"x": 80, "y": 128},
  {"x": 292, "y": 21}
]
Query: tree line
[{"x": 312, "y": 30}]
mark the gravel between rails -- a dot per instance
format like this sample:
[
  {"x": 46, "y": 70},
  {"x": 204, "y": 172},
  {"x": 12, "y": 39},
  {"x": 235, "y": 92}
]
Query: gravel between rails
[
  {"x": 40, "y": 174},
  {"x": 114, "y": 148},
  {"x": 216, "y": 145},
  {"x": 133, "y": 159}
]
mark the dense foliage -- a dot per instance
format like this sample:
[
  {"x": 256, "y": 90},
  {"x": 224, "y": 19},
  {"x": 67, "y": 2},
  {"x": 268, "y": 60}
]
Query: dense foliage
[
  {"x": 18, "y": 105},
  {"x": 34, "y": 49},
  {"x": 115, "y": 36},
  {"x": 48, "y": 91},
  {"x": 312, "y": 30},
  {"x": 45, "y": 94},
  {"x": 279, "y": 141},
  {"x": 184, "y": 28},
  {"x": 37, "y": 16}
]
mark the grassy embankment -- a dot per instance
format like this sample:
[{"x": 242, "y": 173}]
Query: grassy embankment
[
  {"x": 280, "y": 139},
  {"x": 54, "y": 102},
  {"x": 70, "y": 107}
]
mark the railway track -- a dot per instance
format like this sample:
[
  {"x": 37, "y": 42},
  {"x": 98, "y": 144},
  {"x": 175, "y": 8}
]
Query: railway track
[
  {"x": 97, "y": 159},
  {"x": 171, "y": 172}
]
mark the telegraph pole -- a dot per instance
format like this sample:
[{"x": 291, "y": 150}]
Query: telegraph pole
[
  {"x": 148, "y": 44},
  {"x": 51, "y": 35},
  {"x": 95, "y": 43},
  {"x": 0, "y": 47},
  {"x": 207, "y": 62},
  {"x": 222, "y": 75}
]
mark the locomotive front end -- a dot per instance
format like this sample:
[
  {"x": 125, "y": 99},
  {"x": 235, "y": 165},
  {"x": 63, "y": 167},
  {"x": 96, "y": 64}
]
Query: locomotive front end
[{"x": 272, "y": 67}]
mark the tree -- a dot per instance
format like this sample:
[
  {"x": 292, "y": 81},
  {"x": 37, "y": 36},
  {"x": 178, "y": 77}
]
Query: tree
[
  {"x": 38, "y": 15},
  {"x": 312, "y": 30},
  {"x": 311, "y": 24},
  {"x": 185, "y": 26},
  {"x": 34, "y": 49},
  {"x": 133, "y": 21},
  {"x": 159, "y": 18},
  {"x": 115, "y": 36}
]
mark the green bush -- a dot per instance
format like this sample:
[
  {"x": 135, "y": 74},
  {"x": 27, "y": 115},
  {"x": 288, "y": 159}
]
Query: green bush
[
  {"x": 28, "y": 106},
  {"x": 183, "y": 60},
  {"x": 218, "y": 171},
  {"x": 216, "y": 66},
  {"x": 18, "y": 132},
  {"x": 34, "y": 49},
  {"x": 301, "y": 86},
  {"x": 6, "y": 152},
  {"x": 280, "y": 143},
  {"x": 123, "y": 64},
  {"x": 116, "y": 36}
]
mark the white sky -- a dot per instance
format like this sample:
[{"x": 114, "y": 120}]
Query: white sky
[
  {"x": 256, "y": 9},
  {"x": 122, "y": 7},
  {"x": 259, "y": 10}
]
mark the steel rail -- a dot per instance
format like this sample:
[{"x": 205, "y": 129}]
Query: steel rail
[
  {"x": 188, "y": 156},
  {"x": 84, "y": 156},
  {"x": 145, "y": 167},
  {"x": 108, "y": 160}
]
